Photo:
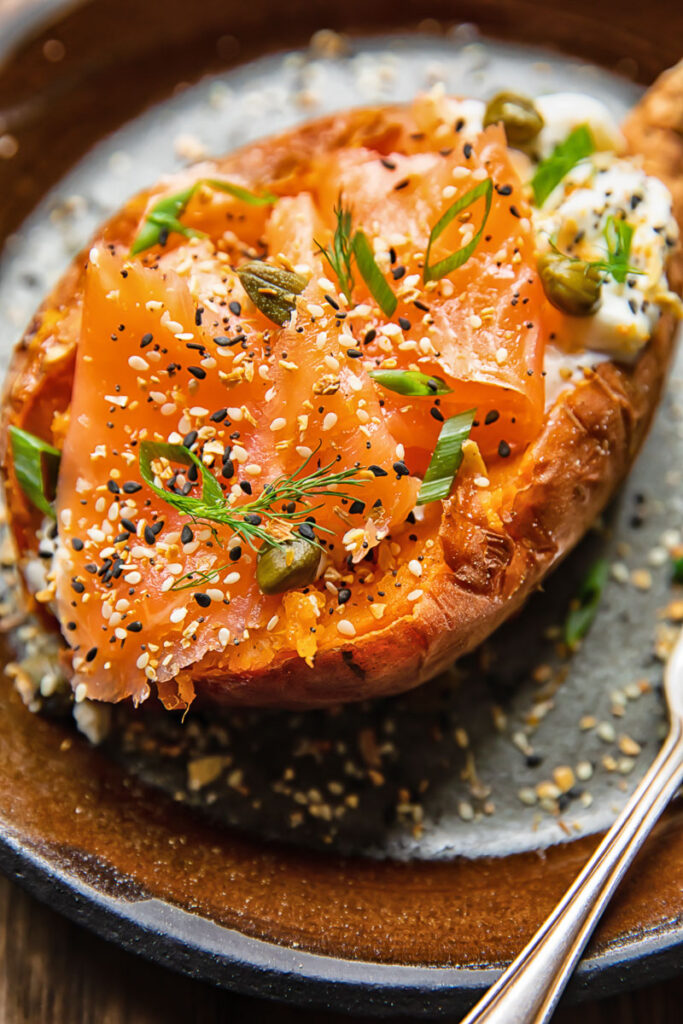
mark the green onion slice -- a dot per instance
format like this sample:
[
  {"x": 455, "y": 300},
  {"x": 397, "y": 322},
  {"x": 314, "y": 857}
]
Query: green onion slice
[
  {"x": 410, "y": 382},
  {"x": 677, "y": 570},
  {"x": 372, "y": 275},
  {"x": 456, "y": 259},
  {"x": 580, "y": 619},
  {"x": 577, "y": 146},
  {"x": 36, "y": 464},
  {"x": 164, "y": 217},
  {"x": 618, "y": 234},
  {"x": 446, "y": 458},
  {"x": 212, "y": 496}
]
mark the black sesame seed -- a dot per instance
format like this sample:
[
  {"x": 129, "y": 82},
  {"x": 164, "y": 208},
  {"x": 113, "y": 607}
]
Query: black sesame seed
[
  {"x": 343, "y": 595},
  {"x": 401, "y": 469},
  {"x": 203, "y": 600},
  {"x": 398, "y": 272},
  {"x": 113, "y": 487},
  {"x": 491, "y": 416},
  {"x": 436, "y": 414},
  {"x": 504, "y": 190},
  {"x": 92, "y": 654},
  {"x": 503, "y": 449},
  {"x": 131, "y": 487},
  {"x": 134, "y": 627},
  {"x": 146, "y": 340},
  {"x": 467, "y": 150},
  {"x": 357, "y": 507},
  {"x": 198, "y": 314},
  {"x": 354, "y": 353},
  {"x": 219, "y": 415},
  {"x": 306, "y": 530},
  {"x": 252, "y": 519},
  {"x": 76, "y": 544},
  {"x": 149, "y": 535},
  {"x": 235, "y": 553},
  {"x": 377, "y": 471},
  {"x": 514, "y": 211},
  {"x": 197, "y": 372},
  {"x": 370, "y": 336},
  {"x": 235, "y": 308},
  {"x": 228, "y": 470},
  {"x": 186, "y": 535},
  {"x": 246, "y": 486},
  {"x": 404, "y": 323},
  {"x": 129, "y": 525},
  {"x": 190, "y": 439}
]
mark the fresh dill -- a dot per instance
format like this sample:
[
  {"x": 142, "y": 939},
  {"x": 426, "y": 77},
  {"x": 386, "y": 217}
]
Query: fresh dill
[
  {"x": 270, "y": 517},
  {"x": 339, "y": 254}
]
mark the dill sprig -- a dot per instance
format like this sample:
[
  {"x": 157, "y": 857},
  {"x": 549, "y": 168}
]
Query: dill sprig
[
  {"x": 270, "y": 517},
  {"x": 339, "y": 254}
]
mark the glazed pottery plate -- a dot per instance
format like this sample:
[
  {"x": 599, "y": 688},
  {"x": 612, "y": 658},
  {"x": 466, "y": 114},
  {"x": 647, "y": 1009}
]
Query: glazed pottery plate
[{"x": 389, "y": 857}]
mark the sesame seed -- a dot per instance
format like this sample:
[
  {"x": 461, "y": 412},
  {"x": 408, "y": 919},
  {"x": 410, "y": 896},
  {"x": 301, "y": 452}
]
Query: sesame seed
[
  {"x": 415, "y": 595},
  {"x": 415, "y": 567},
  {"x": 178, "y": 614},
  {"x": 138, "y": 363},
  {"x": 224, "y": 636},
  {"x": 346, "y": 628},
  {"x": 330, "y": 421},
  {"x": 278, "y": 424}
]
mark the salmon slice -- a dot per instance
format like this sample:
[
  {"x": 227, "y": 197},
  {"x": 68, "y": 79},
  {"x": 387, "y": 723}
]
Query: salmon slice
[{"x": 172, "y": 350}]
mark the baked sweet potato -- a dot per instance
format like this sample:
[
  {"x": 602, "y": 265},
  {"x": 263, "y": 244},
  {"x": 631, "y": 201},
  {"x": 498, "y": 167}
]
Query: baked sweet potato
[{"x": 166, "y": 332}]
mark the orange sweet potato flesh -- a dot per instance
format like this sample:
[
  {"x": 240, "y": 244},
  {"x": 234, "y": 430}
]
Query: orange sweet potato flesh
[{"x": 482, "y": 552}]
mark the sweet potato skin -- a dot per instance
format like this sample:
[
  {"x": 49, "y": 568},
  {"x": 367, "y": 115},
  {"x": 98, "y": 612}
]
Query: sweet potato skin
[{"x": 487, "y": 568}]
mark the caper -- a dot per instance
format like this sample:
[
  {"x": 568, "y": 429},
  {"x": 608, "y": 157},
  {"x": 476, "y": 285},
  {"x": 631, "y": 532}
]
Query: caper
[
  {"x": 571, "y": 285},
  {"x": 288, "y": 565},
  {"x": 521, "y": 120}
]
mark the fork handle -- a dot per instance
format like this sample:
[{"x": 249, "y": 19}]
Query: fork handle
[{"x": 528, "y": 991}]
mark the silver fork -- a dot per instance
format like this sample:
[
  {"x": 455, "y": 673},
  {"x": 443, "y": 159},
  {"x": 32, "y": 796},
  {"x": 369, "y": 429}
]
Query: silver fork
[{"x": 529, "y": 990}]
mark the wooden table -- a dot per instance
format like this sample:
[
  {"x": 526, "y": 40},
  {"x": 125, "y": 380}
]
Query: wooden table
[{"x": 54, "y": 972}]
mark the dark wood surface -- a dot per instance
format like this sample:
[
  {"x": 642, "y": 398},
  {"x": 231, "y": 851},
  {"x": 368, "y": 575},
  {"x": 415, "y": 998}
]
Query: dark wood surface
[{"x": 54, "y": 972}]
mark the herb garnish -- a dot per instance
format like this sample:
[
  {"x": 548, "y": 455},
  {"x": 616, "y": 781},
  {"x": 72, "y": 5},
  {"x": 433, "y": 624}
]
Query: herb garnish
[
  {"x": 577, "y": 146},
  {"x": 677, "y": 570},
  {"x": 618, "y": 234},
  {"x": 164, "y": 217},
  {"x": 410, "y": 382},
  {"x": 580, "y": 618},
  {"x": 274, "y": 507},
  {"x": 372, "y": 275},
  {"x": 36, "y": 464},
  {"x": 339, "y": 255},
  {"x": 446, "y": 458},
  {"x": 446, "y": 266},
  {"x": 347, "y": 246}
]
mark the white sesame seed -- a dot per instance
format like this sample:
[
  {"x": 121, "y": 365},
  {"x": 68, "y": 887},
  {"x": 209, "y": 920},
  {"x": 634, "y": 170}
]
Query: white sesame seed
[
  {"x": 415, "y": 595},
  {"x": 314, "y": 309},
  {"x": 184, "y": 336},
  {"x": 481, "y": 481},
  {"x": 138, "y": 363},
  {"x": 346, "y": 628},
  {"x": 142, "y": 660},
  {"x": 252, "y": 469},
  {"x": 80, "y": 693},
  {"x": 501, "y": 355},
  {"x": 330, "y": 421},
  {"x": 415, "y": 567},
  {"x": 303, "y": 451},
  {"x": 133, "y": 577},
  {"x": 199, "y": 411},
  {"x": 224, "y": 636},
  {"x": 272, "y": 623},
  {"x": 178, "y": 614},
  {"x": 215, "y": 594},
  {"x": 232, "y": 578},
  {"x": 239, "y": 454},
  {"x": 167, "y": 583},
  {"x": 278, "y": 424}
]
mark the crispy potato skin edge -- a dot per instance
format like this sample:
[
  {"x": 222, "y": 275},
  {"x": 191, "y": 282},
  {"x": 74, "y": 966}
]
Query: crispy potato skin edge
[{"x": 562, "y": 482}]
